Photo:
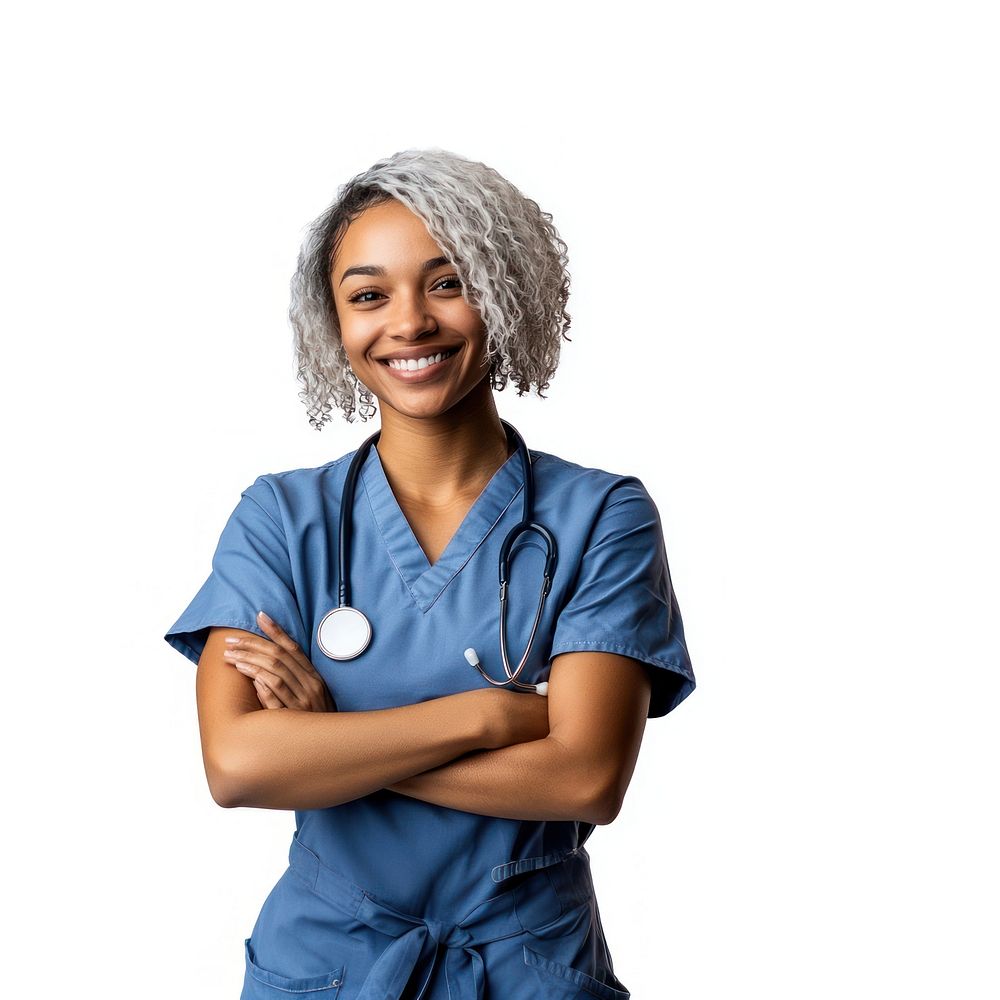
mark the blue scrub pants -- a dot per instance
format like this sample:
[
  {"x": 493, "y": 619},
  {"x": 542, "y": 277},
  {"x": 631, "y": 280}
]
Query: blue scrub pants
[{"x": 320, "y": 936}]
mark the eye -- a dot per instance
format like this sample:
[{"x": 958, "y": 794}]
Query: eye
[{"x": 358, "y": 296}]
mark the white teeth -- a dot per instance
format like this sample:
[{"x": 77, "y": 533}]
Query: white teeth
[{"x": 415, "y": 364}]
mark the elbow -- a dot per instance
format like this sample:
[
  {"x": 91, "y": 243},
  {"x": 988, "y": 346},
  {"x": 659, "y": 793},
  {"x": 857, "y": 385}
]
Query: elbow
[
  {"x": 224, "y": 794},
  {"x": 226, "y": 779},
  {"x": 597, "y": 790},
  {"x": 602, "y": 801},
  {"x": 604, "y": 809}
]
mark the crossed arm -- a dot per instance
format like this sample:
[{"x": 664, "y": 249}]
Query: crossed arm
[
  {"x": 443, "y": 750},
  {"x": 597, "y": 714}
]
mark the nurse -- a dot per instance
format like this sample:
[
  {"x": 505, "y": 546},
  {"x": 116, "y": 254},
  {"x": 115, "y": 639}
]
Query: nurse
[{"x": 440, "y": 821}]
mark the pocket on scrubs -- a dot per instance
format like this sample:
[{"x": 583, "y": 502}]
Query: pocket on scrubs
[
  {"x": 267, "y": 984},
  {"x": 570, "y": 982}
]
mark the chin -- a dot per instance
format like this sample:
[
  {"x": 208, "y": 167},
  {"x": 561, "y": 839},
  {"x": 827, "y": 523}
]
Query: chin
[{"x": 425, "y": 409}]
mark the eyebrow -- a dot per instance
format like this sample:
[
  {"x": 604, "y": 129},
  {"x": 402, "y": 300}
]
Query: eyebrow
[{"x": 378, "y": 271}]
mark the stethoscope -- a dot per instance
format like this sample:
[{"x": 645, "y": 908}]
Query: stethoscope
[{"x": 345, "y": 632}]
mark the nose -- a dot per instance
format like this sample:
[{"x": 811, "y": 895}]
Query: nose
[{"x": 409, "y": 317}]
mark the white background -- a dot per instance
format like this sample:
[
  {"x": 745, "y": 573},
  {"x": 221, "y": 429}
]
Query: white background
[{"x": 782, "y": 221}]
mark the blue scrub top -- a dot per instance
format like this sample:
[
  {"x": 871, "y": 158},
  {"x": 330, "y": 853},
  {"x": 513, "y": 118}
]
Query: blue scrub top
[{"x": 611, "y": 591}]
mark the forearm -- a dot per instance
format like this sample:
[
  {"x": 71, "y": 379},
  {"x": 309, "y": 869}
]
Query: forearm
[
  {"x": 313, "y": 760},
  {"x": 540, "y": 780}
]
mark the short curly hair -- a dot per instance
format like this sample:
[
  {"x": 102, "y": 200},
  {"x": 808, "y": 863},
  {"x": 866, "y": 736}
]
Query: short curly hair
[{"x": 511, "y": 261}]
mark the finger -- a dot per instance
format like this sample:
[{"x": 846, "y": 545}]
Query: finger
[
  {"x": 263, "y": 654},
  {"x": 280, "y": 677},
  {"x": 258, "y": 678},
  {"x": 289, "y": 661},
  {"x": 283, "y": 639},
  {"x": 279, "y": 693},
  {"x": 271, "y": 647},
  {"x": 267, "y": 697}
]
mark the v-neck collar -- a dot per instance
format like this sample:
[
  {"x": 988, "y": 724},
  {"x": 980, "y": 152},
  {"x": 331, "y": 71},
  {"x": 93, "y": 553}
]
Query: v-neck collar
[{"x": 426, "y": 582}]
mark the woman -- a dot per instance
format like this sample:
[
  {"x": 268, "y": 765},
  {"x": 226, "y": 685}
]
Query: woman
[{"x": 440, "y": 818}]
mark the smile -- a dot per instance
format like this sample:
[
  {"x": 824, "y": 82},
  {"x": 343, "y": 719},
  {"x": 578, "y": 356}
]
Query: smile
[{"x": 417, "y": 364}]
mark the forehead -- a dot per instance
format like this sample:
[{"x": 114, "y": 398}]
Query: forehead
[{"x": 389, "y": 235}]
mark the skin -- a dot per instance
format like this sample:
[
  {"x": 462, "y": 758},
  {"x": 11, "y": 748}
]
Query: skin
[{"x": 271, "y": 734}]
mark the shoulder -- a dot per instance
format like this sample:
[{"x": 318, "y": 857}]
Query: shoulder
[
  {"x": 573, "y": 480},
  {"x": 283, "y": 493},
  {"x": 596, "y": 511},
  {"x": 305, "y": 477}
]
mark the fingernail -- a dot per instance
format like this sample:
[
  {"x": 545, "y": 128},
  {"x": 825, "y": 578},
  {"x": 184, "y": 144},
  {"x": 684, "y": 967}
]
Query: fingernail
[
  {"x": 267, "y": 618},
  {"x": 232, "y": 638}
]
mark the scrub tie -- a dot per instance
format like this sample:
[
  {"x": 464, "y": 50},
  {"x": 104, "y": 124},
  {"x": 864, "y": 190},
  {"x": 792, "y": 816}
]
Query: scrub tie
[
  {"x": 417, "y": 946},
  {"x": 419, "y": 941}
]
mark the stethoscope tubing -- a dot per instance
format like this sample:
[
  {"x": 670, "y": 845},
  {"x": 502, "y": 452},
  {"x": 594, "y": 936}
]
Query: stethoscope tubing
[
  {"x": 525, "y": 525},
  {"x": 346, "y": 525}
]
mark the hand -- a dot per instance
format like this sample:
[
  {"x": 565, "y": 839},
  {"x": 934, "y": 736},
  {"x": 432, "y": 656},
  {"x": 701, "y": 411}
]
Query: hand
[
  {"x": 280, "y": 670},
  {"x": 514, "y": 716}
]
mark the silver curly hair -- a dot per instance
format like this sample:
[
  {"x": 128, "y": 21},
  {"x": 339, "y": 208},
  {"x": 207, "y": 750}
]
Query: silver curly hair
[{"x": 509, "y": 257}]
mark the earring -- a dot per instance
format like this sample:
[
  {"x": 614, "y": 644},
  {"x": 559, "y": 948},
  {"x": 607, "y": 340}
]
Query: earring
[
  {"x": 366, "y": 408},
  {"x": 497, "y": 379}
]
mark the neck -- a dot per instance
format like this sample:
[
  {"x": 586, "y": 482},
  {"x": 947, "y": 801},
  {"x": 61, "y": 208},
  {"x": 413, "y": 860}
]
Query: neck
[{"x": 437, "y": 460}]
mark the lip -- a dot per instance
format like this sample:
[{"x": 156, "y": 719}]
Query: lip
[
  {"x": 421, "y": 351},
  {"x": 427, "y": 374}
]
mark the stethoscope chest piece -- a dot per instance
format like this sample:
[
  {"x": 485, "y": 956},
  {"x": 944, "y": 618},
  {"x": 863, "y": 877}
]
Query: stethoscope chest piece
[{"x": 344, "y": 633}]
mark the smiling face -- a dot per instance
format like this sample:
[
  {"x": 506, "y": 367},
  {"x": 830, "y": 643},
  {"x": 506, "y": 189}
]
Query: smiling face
[{"x": 400, "y": 305}]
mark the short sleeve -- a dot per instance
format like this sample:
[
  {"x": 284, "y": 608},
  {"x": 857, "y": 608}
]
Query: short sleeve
[
  {"x": 623, "y": 600},
  {"x": 251, "y": 572}
]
